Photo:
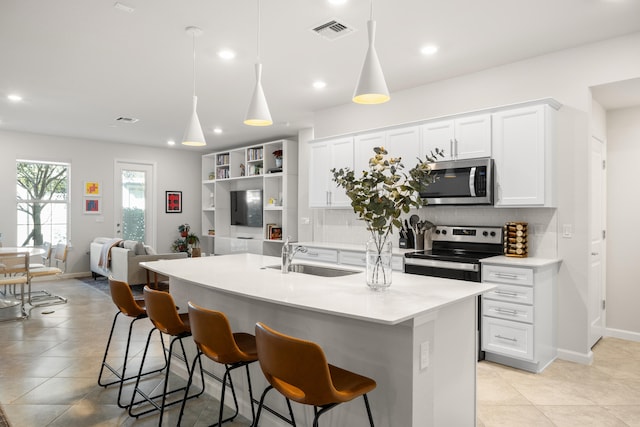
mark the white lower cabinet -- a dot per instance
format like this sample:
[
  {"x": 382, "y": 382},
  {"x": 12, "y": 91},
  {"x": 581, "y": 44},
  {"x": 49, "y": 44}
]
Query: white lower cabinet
[
  {"x": 337, "y": 255},
  {"x": 519, "y": 316}
]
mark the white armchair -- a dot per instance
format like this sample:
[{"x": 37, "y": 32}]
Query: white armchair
[{"x": 125, "y": 261}]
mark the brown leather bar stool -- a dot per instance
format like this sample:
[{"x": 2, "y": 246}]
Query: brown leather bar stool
[
  {"x": 164, "y": 315},
  {"x": 133, "y": 308},
  {"x": 213, "y": 337},
  {"x": 299, "y": 370}
]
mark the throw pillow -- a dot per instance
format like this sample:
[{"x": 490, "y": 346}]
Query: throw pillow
[{"x": 149, "y": 250}]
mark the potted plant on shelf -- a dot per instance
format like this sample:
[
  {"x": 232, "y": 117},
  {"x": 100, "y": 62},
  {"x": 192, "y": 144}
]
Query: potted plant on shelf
[
  {"x": 194, "y": 244},
  {"x": 180, "y": 245},
  {"x": 379, "y": 196},
  {"x": 184, "y": 229},
  {"x": 278, "y": 156}
]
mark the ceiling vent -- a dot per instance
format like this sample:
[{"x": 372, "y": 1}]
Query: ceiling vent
[
  {"x": 332, "y": 29},
  {"x": 126, "y": 120}
]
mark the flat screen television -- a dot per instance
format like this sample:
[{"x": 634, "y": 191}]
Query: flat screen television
[{"x": 246, "y": 208}]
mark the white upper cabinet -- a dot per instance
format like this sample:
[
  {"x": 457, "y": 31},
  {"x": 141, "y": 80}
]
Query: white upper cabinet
[
  {"x": 522, "y": 148},
  {"x": 461, "y": 138},
  {"x": 400, "y": 142},
  {"x": 324, "y": 156}
]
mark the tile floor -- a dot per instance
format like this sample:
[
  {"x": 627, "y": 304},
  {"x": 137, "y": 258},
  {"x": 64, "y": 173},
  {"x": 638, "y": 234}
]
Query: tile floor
[{"x": 49, "y": 366}]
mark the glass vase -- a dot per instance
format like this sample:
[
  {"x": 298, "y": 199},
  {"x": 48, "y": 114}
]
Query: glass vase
[{"x": 378, "y": 257}]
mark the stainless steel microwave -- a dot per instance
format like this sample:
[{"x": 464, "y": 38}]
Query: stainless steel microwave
[{"x": 461, "y": 182}]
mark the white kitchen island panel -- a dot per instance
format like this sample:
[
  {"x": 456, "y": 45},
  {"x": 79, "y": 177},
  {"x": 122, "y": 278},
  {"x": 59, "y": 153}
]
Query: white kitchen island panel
[{"x": 417, "y": 340}]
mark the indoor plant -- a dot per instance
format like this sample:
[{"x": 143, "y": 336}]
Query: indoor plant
[
  {"x": 194, "y": 244},
  {"x": 379, "y": 196},
  {"x": 278, "y": 156},
  {"x": 183, "y": 229}
]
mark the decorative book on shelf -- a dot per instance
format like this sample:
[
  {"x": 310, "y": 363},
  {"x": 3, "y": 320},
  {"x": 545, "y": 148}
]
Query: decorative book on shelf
[
  {"x": 274, "y": 232},
  {"x": 515, "y": 239}
]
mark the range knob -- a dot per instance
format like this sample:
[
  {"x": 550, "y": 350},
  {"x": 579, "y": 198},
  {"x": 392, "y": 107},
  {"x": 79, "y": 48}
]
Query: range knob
[
  {"x": 493, "y": 234},
  {"x": 444, "y": 231},
  {"x": 437, "y": 231},
  {"x": 485, "y": 233}
]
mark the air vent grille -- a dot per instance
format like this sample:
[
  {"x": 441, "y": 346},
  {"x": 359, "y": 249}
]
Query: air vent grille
[
  {"x": 126, "y": 120},
  {"x": 332, "y": 30}
]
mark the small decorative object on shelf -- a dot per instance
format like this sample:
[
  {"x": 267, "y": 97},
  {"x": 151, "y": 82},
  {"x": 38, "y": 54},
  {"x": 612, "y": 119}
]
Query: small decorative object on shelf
[
  {"x": 212, "y": 232},
  {"x": 212, "y": 176},
  {"x": 379, "y": 197},
  {"x": 278, "y": 155},
  {"x": 515, "y": 239},
  {"x": 241, "y": 169}
]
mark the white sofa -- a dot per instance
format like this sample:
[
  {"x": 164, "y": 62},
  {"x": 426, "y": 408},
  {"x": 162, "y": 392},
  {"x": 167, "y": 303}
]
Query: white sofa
[{"x": 125, "y": 261}]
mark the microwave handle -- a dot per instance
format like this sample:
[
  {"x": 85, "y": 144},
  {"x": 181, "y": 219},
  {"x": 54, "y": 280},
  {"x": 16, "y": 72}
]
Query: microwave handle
[{"x": 472, "y": 181}]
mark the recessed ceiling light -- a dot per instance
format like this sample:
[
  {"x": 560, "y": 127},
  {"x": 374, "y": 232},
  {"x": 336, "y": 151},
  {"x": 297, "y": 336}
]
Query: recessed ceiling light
[
  {"x": 217, "y": 130},
  {"x": 226, "y": 54},
  {"x": 123, "y": 7},
  {"x": 171, "y": 142},
  {"x": 337, "y": 2},
  {"x": 14, "y": 97},
  {"x": 319, "y": 84},
  {"x": 429, "y": 49}
]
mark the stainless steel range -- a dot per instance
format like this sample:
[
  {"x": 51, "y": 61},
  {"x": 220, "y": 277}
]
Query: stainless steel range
[{"x": 456, "y": 252}]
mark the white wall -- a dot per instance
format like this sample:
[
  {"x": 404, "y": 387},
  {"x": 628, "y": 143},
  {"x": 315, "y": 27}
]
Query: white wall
[
  {"x": 565, "y": 76},
  {"x": 176, "y": 170},
  {"x": 623, "y": 234}
]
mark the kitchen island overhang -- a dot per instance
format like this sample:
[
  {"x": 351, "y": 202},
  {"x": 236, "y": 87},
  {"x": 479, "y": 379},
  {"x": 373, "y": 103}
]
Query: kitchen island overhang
[{"x": 417, "y": 339}]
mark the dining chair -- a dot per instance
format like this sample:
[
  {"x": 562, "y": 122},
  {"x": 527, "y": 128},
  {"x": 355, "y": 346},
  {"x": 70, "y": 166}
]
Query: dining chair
[
  {"x": 44, "y": 297},
  {"x": 14, "y": 270}
]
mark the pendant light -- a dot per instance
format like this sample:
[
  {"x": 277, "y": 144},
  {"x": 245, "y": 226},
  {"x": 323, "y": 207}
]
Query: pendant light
[
  {"x": 371, "y": 88},
  {"x": 193, "y": 135},
  {"x": 258, "y": 113}
]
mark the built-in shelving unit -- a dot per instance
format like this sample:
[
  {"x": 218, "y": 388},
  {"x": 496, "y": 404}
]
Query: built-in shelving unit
[{"x": 251, "y": 168}]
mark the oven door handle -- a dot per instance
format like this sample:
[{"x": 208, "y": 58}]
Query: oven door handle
[{"x": 466, "y": 266}]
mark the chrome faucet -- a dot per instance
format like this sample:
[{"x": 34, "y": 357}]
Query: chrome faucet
[{"x": 288, "y": 253}]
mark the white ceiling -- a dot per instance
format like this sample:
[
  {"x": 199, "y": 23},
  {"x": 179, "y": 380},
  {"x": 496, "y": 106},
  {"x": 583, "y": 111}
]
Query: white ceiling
[{"x": 80, "y": 64}]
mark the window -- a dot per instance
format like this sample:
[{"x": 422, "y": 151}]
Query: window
[{"x": 42, "y": 190}]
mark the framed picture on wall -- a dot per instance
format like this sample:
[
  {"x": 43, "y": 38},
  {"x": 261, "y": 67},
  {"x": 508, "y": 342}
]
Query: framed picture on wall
[
  {"x": 92, "y": 188},
  {"x": 92, "y": 205},
  {"x": 173, "y": 201}
]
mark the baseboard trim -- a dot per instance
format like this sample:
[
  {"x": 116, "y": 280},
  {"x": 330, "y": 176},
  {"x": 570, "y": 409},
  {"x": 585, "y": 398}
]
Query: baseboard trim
[
  {"x": 572, "y": 356},
  {"x": 622, "y": 334}
]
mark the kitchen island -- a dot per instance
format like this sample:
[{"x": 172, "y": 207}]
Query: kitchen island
[{"x": 417, "y": 340}]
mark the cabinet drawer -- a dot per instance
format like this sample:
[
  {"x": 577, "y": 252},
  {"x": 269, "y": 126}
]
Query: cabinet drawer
[
  {"x": 507, "y": 338},
  {"x": 504, "y": 274},
  {"x": 511, "y": 293},
  {"x": 319, "y": 254},
  {"x": 358, "y": 259},
  {"x": 352, "y": 258},
  {"x": 507, "y": 310}
]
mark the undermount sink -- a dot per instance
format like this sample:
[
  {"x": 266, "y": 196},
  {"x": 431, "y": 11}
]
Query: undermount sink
[{"x": 316, "y": 270}]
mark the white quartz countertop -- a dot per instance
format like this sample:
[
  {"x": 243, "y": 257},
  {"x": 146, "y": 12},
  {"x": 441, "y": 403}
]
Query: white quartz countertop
[
  {"x": 409, "y": 296},
  {"x": 520, "y": 262}
]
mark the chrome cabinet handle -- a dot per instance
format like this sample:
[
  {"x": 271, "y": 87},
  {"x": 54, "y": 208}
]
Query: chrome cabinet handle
[
  {"x": 506, "y": 276},
  {"x": 505, "y": 293},
  {"x": 506, "y": 338},
  {"x": 506, "y": 311},
  {"x": 313, "y": 254}
]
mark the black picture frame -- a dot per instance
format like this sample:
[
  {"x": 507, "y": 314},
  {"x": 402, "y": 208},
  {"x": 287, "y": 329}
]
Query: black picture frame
[{"x": 173, "y": 202}]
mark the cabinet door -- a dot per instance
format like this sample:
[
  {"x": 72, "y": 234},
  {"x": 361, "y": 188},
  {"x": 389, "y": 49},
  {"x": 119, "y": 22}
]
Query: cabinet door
[
  {"x": 472, "y": 137},
  {"x": 519, "y": 155},
  {"x": 405, "y": 143},
  {"x": 438, "y": 135},
  {"x": 324, "y": 156},
  {"x": 341, "y": 157},
  {"x": 363, "y": 147},
  {"x": 319, "y": 166}
]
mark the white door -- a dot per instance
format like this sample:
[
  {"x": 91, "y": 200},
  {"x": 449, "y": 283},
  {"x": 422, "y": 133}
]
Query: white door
[
  {"x": 596, "y": 307},
  {"x": 133, "y": 201}
]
